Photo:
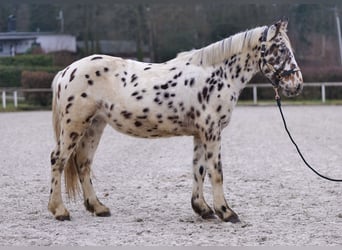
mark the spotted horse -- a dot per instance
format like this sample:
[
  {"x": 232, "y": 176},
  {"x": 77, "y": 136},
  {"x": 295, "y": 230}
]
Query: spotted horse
[{"x": 193, "y": 94}]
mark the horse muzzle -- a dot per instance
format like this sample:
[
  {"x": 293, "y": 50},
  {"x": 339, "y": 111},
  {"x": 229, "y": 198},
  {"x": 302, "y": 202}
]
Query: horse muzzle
[{"x": 292, "y": 84}]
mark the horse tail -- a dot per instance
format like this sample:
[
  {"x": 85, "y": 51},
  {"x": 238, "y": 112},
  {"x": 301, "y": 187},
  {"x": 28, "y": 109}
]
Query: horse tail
[
  {"x": 55, "y": 114},
  {"x": 71, "y": 177},
  {"x": 70, "y": 169}
]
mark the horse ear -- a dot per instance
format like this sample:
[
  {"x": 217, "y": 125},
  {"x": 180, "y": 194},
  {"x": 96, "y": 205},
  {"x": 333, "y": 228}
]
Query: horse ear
[
  {"x": 274, "y": 29},
  {"x": 282, "y": 23}
]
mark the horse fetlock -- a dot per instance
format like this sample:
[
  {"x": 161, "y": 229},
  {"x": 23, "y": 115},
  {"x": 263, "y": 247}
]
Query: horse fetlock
[{"x": 201, "y": 208}]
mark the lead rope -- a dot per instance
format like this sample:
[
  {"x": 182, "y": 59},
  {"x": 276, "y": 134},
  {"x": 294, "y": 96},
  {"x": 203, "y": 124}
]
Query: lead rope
[{"x": 277, "y": 97}]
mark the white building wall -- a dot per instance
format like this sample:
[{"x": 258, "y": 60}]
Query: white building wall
[
  {"x": 20, "y": 47},
  {"x": 52, "y": 43}
]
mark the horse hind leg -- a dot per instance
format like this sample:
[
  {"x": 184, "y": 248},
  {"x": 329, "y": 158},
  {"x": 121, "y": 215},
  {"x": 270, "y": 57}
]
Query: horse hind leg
[
  {"x": 69, "y": 130},
  {"x": 83, "y": 158},
  {"x": 56, "y": 206},
  {"x": 60, "y": 159}
]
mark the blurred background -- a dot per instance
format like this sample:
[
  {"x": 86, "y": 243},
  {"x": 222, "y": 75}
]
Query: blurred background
[{"x": 37, "y": 40}]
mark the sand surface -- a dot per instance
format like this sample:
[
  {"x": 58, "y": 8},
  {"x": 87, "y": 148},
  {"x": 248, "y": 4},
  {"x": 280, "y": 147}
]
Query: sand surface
[{"x": 147, "y": 185}]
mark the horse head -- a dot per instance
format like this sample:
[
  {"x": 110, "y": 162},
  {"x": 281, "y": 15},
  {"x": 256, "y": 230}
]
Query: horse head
[{"x": 277, "y": 61}]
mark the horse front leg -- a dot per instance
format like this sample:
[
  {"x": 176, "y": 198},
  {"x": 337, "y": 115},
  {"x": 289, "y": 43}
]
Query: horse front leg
[
  {"x": 198, "y": 203},
  {"x": 212, "y": 156}
]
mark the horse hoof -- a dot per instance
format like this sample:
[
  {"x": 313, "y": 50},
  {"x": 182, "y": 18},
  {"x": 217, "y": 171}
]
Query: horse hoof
[
  {"x": 104, "y": 214},
  {"x": 208, "y": 216},
  {"x": 228, "y": 217},
  {"x": 63, "y": 217},
  {"x": 234, "y": 218}
]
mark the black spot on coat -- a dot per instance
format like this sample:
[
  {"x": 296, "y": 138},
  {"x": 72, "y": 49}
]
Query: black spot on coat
[
  {"x": 64, "y": 72},
  {"x": 205, "y": 92},
  {"x": 72, "y": 75},
  {"x": 138, "y": 124},
  {"x": 96, "y": 58},
  {"x": 192, "y": 82},
  {"x": 164, "y": 86},
  {"x": 133, "y": 78}
]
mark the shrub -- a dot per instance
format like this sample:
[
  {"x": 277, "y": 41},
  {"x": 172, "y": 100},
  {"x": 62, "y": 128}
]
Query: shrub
[
  {"x": 37, "y": 80},
  {"x": 27, "y": 60},
  {"x": 10, "y": 76},
  {"x": 63, "y": 58}
]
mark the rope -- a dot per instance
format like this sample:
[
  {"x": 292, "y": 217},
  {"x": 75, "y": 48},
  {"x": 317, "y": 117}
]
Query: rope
[{"x": 295, "y": 144}]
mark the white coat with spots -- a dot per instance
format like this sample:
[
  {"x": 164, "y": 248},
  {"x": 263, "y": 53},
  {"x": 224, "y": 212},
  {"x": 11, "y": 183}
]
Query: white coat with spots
[{"x": 191, "y": 95}]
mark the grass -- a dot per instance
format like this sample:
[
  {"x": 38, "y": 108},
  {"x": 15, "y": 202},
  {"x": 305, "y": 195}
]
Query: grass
[
  {"x": 290, "y": 102},
  {"x": 22, "y": 106}
]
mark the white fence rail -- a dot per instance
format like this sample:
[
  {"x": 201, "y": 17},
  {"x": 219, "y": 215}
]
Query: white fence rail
[
  {"x": 14, "y": 93},
  {"x": 321, "y": 85}
]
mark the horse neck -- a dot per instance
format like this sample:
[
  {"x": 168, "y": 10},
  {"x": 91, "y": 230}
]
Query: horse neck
[
  {"x": 237, "y": 56},
  {"x": 239, "y": 68}
]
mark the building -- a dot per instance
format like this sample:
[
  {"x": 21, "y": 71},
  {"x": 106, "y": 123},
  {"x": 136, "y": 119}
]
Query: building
[{"x": 12, "y": 43}]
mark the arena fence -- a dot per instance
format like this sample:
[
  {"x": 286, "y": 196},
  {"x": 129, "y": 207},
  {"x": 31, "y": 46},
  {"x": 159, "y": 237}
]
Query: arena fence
[{"x": 14, "y": 94}]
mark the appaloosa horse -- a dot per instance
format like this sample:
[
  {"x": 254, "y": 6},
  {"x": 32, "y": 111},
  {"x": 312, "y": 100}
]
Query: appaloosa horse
[{"x": 193, "y": 94}]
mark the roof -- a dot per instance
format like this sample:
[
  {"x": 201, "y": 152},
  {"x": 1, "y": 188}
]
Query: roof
[
  {"x": 49, "y": 41},
  {"x": 17, "y": 35}
]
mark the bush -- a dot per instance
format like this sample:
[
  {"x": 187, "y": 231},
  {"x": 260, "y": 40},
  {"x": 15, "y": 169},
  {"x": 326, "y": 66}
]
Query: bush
[
  {"x": 11, "y": 67},
  {"x": 63, "y": 58},
  {"x": 37, "y": 80},
  {"x": 27, "y": 60},
  {"x": 10, "y": 77}
]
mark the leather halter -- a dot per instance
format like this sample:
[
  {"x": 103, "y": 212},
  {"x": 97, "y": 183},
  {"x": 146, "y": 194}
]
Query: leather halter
[{"x": 279, "y": 73}]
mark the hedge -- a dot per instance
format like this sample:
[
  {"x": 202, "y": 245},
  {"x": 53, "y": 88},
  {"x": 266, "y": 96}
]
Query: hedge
[
  {"x": 37, "y": 79},
  {"x": 27, "y": 60},
  {"x": 10, "y": 76}
]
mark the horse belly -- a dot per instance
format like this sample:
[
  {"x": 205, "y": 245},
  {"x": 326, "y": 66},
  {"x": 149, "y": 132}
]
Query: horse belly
[{"x": 144, "y": 126}]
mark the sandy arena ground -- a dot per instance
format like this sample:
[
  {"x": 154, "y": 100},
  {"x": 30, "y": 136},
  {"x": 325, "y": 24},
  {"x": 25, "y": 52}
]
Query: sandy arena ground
[{"x": 147, "y": 184}]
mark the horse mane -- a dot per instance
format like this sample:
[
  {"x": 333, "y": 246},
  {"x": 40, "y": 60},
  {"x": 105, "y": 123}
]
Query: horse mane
[
  {"x": 286, "y": 40},
  {"x": 221, "y": 50}
]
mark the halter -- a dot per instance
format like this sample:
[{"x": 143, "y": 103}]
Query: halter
[{"x": 278, "y": 73}]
